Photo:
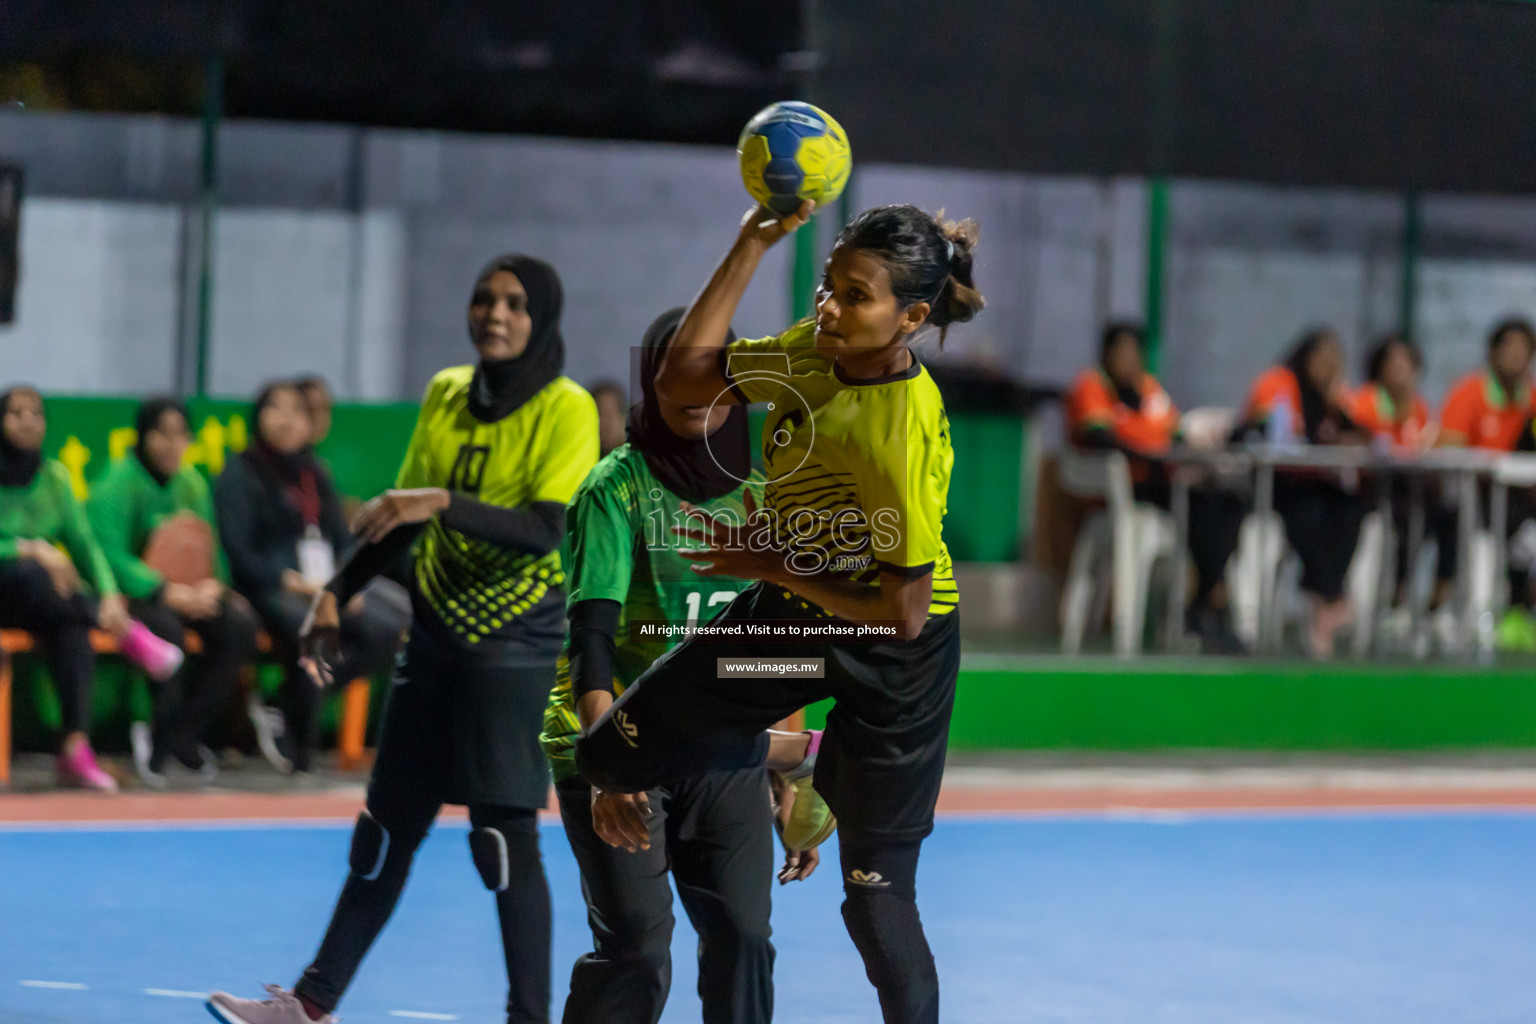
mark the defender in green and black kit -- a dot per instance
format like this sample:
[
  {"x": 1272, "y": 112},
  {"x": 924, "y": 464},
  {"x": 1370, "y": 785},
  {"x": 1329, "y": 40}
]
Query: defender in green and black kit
[{"x": 712, "y": 831}]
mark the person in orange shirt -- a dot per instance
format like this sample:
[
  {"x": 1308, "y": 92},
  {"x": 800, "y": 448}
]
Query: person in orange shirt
[
  {"x": 1517, "y": 632},
  {"x": 1390, "y": 408},
  {"x": 1388, "y": 405},
  {"x": 1119, "y": 405},
  {"x": 1487, "y": 407},
  {"x": 1304, "y": 399}
]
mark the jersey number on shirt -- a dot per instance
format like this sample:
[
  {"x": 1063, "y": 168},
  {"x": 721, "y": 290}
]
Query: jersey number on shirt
[
  {"x": 696, "y": 603},
  {"x": 469, "y": 468}
]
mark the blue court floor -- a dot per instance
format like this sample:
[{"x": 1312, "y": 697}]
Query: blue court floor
[{"x": 1407, "y": 919}]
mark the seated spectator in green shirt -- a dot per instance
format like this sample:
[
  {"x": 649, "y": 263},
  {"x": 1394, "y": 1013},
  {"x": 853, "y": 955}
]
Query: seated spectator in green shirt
[
  {"x": 56, "y": 583},
  {"x": 153, "y": 518}
]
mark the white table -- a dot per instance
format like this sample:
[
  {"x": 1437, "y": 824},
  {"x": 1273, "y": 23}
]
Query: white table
[{"x": 1462, "y": 467}]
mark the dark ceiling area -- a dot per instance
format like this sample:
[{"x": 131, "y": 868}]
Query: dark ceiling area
[
  {"x": 656, "y": 69},
  {"x": 1409, "y": 94}
]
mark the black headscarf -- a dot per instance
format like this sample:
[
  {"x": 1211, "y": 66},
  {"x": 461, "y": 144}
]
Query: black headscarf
[
  {"x": 283, "y": 467},
  {"x": 299, "y": 476},
  {"x": 18, "y": 467},
  {"x": 694, "y": 469},
  {"x": 147, "y": 419},
  {"x": 1315, "y": 407},
  {"x": 499, "y": 387}
]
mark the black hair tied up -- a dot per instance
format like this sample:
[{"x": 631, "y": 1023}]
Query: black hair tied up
[
  {"x": 1114, "y": 330},
  {"x": 1376, "y": 359},
  {"x": 929, "y": 259},
  {"x": 1518, "y": 325}
]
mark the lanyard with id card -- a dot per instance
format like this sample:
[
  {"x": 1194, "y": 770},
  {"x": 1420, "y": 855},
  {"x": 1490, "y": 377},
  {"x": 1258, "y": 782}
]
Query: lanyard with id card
[{"x": 317, "y": 559}]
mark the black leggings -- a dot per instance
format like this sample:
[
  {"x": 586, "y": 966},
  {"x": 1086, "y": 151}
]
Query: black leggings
[
  {"x": 1322, "y": 522},
  {"x": 458, "y": 728},
  {"x": 228, "y": 641},
  {"x": 714, "y": 834},
  {"x": 384, "y": 844},
  {"x": 62, "y": 627},
  {"x": 1215, "y": 524},
  {"x": 369, "y": 638},
  {"x": 880, "y": 766},
  {"x": 1520, "y": 509}
]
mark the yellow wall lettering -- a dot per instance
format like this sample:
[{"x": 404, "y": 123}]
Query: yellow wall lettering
[
  {"x": 74, "y": 456},
  {"x": 119, "y": 441}
]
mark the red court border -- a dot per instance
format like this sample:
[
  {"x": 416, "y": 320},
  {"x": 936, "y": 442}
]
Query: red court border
[{"x": 958, "y": 801}]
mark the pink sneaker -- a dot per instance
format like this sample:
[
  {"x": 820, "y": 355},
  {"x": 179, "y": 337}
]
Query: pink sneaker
[
  {"x": 280, "y": 1007},
  {"x": 158, "y": 658},
  {"x": 81, "y": 771}
]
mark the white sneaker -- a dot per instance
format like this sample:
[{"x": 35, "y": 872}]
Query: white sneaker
[
  {"x": 142, "y": 739},
  {"x": 208, "y": 766},
  {"x": 280, "y": 1007},
  {"x": 1394, "y": 630},
  {"x": 269, "y": 725},
  {"x": 1446, "y": 626}
]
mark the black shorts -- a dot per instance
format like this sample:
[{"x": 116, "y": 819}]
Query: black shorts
[
  {"x": 881, "y": 760},
  {"x": 464, "y": 726}
]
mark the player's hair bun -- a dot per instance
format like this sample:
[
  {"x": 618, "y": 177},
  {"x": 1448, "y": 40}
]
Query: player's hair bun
[{"x": 928, "y": 258}]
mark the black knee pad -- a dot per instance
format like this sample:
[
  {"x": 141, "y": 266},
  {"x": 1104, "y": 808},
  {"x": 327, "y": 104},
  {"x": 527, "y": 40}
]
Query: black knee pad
[
  {"x": 370, "y": 847},
  {"x": 488, "y": 849},
  {"x": 503, "y": 843}
]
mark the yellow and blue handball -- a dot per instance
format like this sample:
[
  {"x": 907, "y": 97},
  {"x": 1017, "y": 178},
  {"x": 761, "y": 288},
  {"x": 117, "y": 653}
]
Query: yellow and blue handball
[{"x": 791, "y": 152}]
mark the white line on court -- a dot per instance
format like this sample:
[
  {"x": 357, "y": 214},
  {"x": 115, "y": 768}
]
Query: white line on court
[
  {"x": 71, "y": 986},
  {"x": 175, "y": 993},
  {"x": 416, "y": 1015}
]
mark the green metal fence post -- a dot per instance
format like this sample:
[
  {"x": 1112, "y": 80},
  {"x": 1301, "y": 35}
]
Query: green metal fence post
[
  {"x": 208, "y": 203},
  {"x": 1157, "y": 248}
]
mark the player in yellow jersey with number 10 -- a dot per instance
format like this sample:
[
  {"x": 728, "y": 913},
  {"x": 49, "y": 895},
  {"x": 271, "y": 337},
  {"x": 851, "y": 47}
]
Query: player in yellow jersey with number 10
[{"x": 498, "y": 451}]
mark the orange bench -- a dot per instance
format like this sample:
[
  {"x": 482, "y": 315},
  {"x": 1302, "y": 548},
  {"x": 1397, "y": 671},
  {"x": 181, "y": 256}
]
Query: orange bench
[{"x": 352, "y": 730}]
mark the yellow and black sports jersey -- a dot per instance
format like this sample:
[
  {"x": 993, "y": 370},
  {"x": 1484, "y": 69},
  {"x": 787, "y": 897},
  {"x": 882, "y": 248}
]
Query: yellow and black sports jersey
[
  {"x": 858, "y": 470},
  {"x": 541, "y": 451}
]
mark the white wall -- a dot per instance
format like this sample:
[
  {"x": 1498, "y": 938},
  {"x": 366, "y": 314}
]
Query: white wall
[
  {"x": 96, "y": 303},
  {"x": 350, "y": 252},
  {"x": 1057, "y": 257}
]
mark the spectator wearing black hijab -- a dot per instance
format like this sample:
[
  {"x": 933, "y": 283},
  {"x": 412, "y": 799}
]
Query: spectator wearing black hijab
[
  {"x": 281, "y": 526},
  {"x": 1304, "y": 399}
]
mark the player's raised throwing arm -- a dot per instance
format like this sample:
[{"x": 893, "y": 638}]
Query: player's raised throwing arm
[{"x": 690, "y": 372}]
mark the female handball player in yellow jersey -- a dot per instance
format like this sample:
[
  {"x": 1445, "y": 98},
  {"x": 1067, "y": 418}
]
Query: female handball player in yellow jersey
[
  {"x": 497, "y": 453},
  {"x": 857, "y": 452}
]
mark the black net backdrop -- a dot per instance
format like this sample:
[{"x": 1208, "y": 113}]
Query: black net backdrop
[
  {"x": 1419, "y": 94},
  {"x": 1411, "y": 94}
]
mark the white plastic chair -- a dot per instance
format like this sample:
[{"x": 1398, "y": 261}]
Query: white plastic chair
[
  {"x": 1364, "y": 580},
  {"x": 1255, "y": 566},
  {"x": 1264, "y": 559},
  {"x": 1127, "y": 538}
]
